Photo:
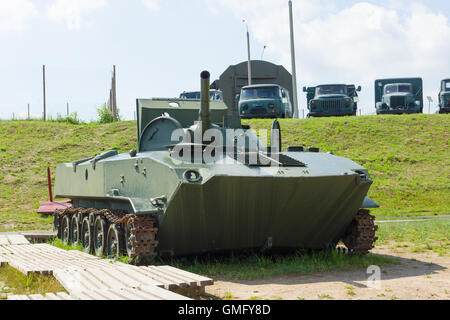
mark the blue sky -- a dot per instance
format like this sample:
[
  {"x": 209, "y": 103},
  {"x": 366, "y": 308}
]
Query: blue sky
[{"x": 160, "y": 47}]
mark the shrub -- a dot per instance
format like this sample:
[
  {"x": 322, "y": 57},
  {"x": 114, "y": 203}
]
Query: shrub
[{"x": 105, "y": 115}]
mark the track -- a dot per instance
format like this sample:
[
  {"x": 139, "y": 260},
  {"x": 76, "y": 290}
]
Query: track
[{"x": 108, "y": 232}]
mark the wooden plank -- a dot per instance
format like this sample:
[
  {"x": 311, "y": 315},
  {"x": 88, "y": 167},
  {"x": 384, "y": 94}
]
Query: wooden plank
[
  {"x": 3, "y": 260},
  {"x": 188, "y": 282},
  {"x": 166, "y": 284},
  {"x": 52, "y": 296},
  {"x": 64, "y": 296},
  {"x": 202, "y": 280},
  {"x": 18, "y": 298},
  {"x": 4, "y": 240},
  {"x": 161, "y": 294},
  {"x": 161, "y": 274},
  {"x": 18, "y": 240},
  {"x": 36, "y": 297}
]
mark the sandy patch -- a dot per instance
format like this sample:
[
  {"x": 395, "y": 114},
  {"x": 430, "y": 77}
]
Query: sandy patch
[{"x": 417, "y": 276}]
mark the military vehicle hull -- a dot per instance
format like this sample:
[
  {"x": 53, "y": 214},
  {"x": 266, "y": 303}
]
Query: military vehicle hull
[
  {"x": 297, "y": 208},
  {"x": 198, "y": 220}
]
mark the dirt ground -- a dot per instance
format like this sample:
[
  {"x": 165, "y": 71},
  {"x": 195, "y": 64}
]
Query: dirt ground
[{"x": 417, "y": 276}]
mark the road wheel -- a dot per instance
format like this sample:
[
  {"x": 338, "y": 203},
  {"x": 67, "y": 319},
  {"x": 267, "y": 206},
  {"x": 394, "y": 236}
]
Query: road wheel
[
  {"x": 75, "y": 227},
  {"x": 114, "y": 241},
  {"x": 86, "y": 235},
  {"x": 57, "y": 225},
  {"x": 65, "y": 229},
  {"x": 100, "y": 233}
]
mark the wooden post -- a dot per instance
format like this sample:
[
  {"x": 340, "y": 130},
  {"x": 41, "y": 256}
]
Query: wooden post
[
  {"x": 43, "y": 84},
  {"x": 49, "y": 180}
]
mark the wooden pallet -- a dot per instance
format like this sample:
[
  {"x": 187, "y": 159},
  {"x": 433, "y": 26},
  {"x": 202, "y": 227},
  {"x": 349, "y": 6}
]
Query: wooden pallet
[{"x": 89, "y": 277}]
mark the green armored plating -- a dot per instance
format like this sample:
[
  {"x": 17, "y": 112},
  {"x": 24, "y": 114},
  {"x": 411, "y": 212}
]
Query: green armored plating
[{"x": 201, "y": 182}]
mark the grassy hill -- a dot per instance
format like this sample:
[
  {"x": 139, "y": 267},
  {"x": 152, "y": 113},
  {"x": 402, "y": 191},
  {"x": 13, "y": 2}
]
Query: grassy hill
[{"x": 407, "y": 156}]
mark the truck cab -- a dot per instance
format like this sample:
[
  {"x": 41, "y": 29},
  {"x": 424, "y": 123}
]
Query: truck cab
[
  {"x": 332, "y": 100},
  {"x": 264, "y": 101},
  {"x": 399, "y": 96},
  {"x": 444, "y": 97},
  {"x": 214, "y": 95}
]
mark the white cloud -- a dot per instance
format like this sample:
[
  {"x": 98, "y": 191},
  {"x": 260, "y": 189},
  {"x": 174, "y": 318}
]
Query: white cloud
[
  {"x": 153, "y": 5},
  {"x": 72, "y": 11},
  {"x": 355, "y": 44},
  {"x": 15, "y": 13}
]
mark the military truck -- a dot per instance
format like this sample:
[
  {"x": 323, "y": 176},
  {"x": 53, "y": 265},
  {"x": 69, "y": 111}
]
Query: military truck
[
  {"x": 444, "y": 97},
  {"x": 214, "y": 95},
  {"x": 332, "y": 100},
  {"x": 399, "y": 96},
  {"x": 264, "y": 101},
  {"x": 201, "y": 182}
]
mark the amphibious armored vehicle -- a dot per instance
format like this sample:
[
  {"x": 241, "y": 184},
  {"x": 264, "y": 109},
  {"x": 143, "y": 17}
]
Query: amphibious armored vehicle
[{"x": 201, "y": 182}]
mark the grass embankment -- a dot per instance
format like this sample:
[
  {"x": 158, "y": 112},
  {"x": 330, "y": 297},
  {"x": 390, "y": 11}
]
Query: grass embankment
[
  {"x": 407, "y": 156},
  {"x": 417, "y": 236}
]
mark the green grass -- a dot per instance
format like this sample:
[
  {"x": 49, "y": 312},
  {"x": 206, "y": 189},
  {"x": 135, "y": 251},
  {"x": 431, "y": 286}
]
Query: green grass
[
  {"x": 254, "y": 267},
  {"x": 407, "y": 156},
  {"x": 68, "y": 247},
  {"x": 20, "y": 284},
  {"x": 425, "y": 236}
]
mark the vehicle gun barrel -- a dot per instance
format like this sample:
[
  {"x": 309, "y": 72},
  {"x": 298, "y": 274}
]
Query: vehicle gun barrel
[{"x": 205, "y": 116}]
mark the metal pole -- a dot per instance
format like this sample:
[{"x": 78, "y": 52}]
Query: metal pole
[
  {"x": 114, "y": 94},
  {"x": 28, "y": 111},
  {"x": 294, "y": 69},
  {"x": 249, "y": 59},
  {"x": 67, "y": 109},
  {"x": 45, "y": 98}
]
